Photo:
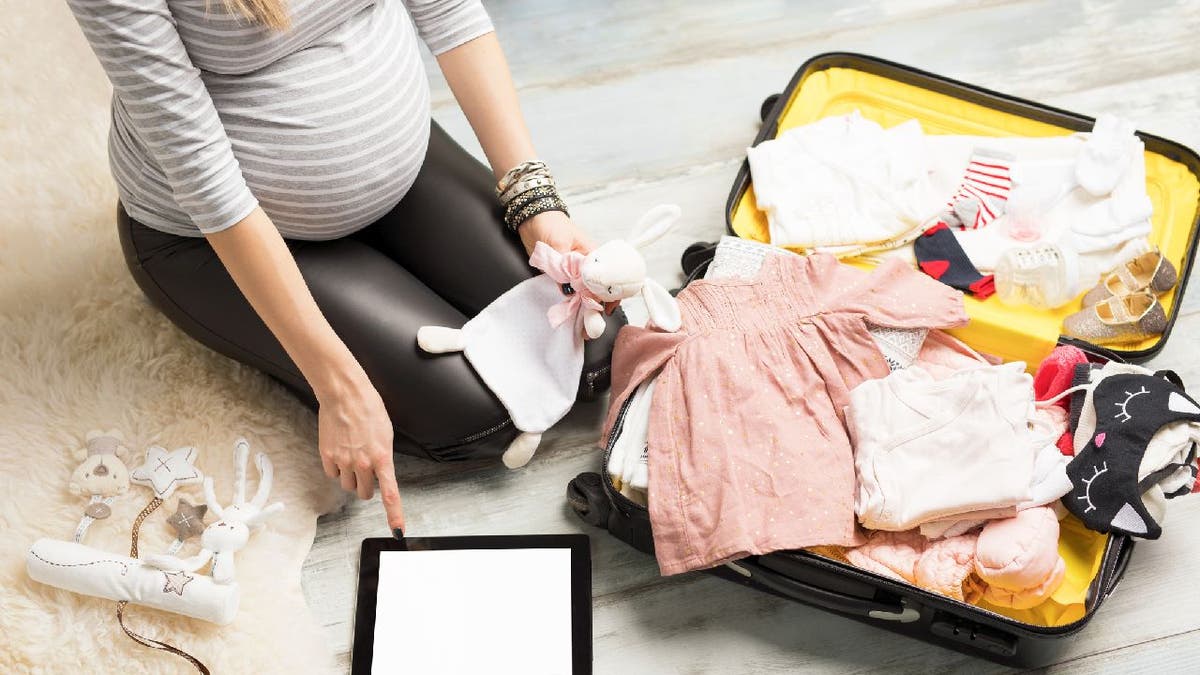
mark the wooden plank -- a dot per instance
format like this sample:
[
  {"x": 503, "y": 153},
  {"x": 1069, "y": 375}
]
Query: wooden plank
[
  {"x": 667, "y": 119},
  {"x": 1168, "y": 654},
  {"x": 615, "y": 40},
  {"x": 1020, "y": 40}
]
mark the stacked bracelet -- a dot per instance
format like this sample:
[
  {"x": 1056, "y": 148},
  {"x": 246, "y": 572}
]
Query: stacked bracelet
[{"x": 527, "y": 190}]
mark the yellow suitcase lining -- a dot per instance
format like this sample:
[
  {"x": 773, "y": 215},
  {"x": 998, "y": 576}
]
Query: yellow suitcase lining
[
  {"x": 1013, "y": 333},
  {"x": 835, "y": 86}
]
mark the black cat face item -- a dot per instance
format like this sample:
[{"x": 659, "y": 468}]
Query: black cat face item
[{"x": 1130, "y": 409}]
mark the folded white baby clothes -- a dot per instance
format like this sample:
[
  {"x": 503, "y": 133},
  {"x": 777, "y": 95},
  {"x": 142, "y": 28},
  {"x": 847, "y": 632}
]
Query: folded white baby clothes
[
  {"x": 1047, "y": 484},
  {"x": 843, "y": 180},
  {"x": 929, "y": 450},
  {"x": 627, "y": 460}
]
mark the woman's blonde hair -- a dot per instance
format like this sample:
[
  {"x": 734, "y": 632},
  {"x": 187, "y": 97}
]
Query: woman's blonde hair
[{"x": 269, "y": 13}]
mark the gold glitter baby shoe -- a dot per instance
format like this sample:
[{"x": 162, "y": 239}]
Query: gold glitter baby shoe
[
  {"x": 1150, "y": 271},
  {"x": 1120, "y": 318}
]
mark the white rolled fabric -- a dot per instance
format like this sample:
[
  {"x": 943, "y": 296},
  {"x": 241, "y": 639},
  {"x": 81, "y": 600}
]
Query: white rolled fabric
[{"x": 89, "y": 571}]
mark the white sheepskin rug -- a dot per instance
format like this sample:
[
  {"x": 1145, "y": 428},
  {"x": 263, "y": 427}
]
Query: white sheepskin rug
[{"x": 81, "y": 349}]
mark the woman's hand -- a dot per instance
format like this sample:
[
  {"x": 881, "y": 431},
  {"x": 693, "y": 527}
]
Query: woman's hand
[
  {"x": 559, "y": 232},
  {"x": 355, "y": 437},
  {"x": 555, "y": 229}
]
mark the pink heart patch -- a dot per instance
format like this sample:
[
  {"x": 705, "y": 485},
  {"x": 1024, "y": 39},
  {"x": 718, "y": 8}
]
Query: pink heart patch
[{"x": 1100, "y": 439}]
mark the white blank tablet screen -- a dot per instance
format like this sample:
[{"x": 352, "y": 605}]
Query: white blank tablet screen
[{"x": 474, "y": 611}]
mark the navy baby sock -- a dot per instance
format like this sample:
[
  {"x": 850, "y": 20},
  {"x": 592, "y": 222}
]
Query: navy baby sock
[
  {"x": 940, "y": 256},
  {"x": 1106, "y": 493}
]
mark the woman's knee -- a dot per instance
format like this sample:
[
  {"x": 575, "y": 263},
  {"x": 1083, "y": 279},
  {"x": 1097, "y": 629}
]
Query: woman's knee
[{"x": 450, "y": 415}]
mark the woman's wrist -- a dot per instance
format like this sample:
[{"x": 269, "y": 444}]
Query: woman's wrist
[
  {"x": 332, "y": 372},
  {"x": 526, "y": 191}
]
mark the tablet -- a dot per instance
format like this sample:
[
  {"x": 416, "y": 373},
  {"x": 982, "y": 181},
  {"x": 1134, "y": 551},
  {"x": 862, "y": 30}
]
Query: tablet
[{"x": 455, "y": 605}]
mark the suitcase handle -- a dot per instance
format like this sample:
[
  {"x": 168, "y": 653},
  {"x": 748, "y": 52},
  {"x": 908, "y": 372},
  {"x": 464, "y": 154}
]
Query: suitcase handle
[{"x": 823, "y": 597}]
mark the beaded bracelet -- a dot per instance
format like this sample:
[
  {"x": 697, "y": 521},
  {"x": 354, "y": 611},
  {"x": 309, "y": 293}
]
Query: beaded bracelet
[
  {"x": 527, "y": 190},
  {"x": 534, "y": 208},
  {"x": 520, "y": 201}
]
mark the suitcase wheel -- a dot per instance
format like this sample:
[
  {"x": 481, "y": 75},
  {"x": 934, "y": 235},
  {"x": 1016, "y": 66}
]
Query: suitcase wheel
[
  {"x": 767, "y": 104},
  {"x": 586, "y": 496}
]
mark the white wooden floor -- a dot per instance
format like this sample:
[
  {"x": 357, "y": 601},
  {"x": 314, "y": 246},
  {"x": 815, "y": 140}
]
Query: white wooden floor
[{"x": 638, "y": 102}]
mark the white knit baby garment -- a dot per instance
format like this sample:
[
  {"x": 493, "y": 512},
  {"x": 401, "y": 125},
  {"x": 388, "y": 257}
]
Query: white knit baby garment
[{"x": 843, "y": 180}]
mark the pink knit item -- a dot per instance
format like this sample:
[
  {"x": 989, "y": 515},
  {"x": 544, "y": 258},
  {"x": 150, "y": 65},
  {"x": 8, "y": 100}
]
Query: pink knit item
[
  {"x": 1053, "y": 377},
  {"x": 1055, "y": 372},
  {"x": 748, "y": 448}
]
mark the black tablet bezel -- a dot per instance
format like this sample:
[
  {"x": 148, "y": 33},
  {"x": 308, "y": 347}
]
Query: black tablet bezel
[{"x": 581, "y": 586}]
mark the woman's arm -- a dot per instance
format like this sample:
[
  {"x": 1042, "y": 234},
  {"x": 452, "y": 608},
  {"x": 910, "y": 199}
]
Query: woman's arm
[
  {"x": 164, "y": 98},
  {"x": 161, "y": 90},
  {"x": 483, "y": 86},
  {"x": 355, "y": 432}
]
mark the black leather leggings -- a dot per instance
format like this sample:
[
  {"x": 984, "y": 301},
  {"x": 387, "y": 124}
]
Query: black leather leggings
[{"x": 438, "y": 258}]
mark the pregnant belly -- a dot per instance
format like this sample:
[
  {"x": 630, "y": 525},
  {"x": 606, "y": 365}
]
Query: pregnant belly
[{"x": 330, "y": 138}]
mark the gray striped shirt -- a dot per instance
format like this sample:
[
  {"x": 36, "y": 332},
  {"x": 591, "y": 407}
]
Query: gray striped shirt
[{"x": 324, "y": 125}]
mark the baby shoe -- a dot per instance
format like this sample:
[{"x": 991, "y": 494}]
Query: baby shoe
[
  {"x": 1150, "y": 271},
  {"x": 1120, "y": 318}
]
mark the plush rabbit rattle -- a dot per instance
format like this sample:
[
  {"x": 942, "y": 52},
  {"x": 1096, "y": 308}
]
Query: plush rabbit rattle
[
  {"x": 527, "y": 345},
  {"x": 229, "y": 534}
]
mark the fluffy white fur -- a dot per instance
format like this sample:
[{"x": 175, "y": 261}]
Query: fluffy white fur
[{"x": 80, "y": 349}]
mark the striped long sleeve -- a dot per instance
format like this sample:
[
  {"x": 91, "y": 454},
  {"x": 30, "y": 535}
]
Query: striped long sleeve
[
  {"x": 172, "y": 118},
  {"x": 446, "y": 24}
]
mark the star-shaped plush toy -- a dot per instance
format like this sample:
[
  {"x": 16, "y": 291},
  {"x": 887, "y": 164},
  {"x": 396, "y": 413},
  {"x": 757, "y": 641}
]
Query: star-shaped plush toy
[
  {"x": 188, "y": 520},
  {"x": 173, "y": 582},
  {"x": 164, "y": 471}
]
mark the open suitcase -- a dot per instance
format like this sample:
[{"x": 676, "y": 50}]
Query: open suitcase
[{"x": 837, "y": 83}]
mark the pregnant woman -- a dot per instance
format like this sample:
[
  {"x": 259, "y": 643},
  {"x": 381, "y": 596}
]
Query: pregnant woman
[{"x": 287, "y": 201}]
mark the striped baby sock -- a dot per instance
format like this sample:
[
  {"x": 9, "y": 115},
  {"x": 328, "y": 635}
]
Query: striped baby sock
[{"x": 983, "y": 193}]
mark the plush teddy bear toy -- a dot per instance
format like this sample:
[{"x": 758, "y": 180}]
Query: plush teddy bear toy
[
  {"x": 527, "y": 345},
  {"x": 101, "y": 475}
]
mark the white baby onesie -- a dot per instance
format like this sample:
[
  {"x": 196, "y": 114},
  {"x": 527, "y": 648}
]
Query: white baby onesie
[
  {"x": 843, "y": 180},
  {"x": 928, "y": 450}
]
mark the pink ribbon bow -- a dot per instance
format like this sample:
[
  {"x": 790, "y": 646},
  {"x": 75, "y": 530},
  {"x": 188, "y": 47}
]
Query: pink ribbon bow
[{"x": 565, "y": 268}]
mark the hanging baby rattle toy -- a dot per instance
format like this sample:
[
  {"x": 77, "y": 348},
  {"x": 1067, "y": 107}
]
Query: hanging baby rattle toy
[
  {"x": 101, "y": 476},
  {"x": 527, "y": 345},
  {"x": 229, "y": 534}
]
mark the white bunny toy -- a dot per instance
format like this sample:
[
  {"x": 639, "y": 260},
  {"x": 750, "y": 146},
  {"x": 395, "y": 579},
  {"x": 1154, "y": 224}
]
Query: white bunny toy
[
  {"x": 527, "y": 345},
  {"x": 228, "y": 535}
]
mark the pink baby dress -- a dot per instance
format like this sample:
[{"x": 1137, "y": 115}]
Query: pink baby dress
[{"x": 748, "y": 449}]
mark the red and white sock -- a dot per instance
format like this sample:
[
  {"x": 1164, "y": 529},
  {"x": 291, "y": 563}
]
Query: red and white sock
[{"x": 983, "y": 194}]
